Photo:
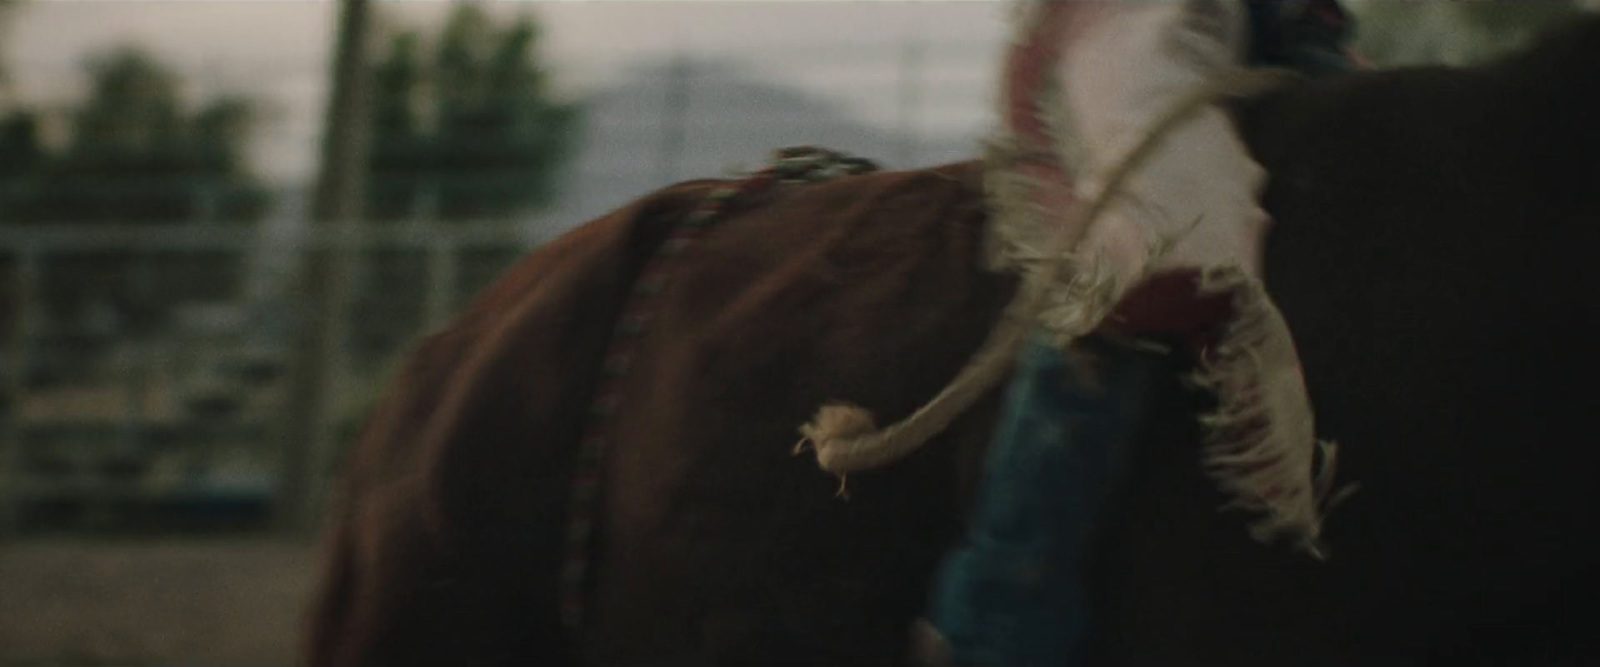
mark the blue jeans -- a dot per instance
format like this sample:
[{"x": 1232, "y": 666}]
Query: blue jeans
[{"x": 1015, "y": 592}]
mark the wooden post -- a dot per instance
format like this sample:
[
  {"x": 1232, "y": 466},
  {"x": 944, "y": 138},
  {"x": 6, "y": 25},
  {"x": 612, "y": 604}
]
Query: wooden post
[
  {"x": 910, "y": 97},
  {"x": 311, "y": 436},
  {"x": 13, "y": 481},
  {"x": 443, "y": 274}
]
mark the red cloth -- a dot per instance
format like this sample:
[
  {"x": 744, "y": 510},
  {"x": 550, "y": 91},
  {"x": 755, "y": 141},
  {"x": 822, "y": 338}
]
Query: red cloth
[{"x": 1170, "y": 303}]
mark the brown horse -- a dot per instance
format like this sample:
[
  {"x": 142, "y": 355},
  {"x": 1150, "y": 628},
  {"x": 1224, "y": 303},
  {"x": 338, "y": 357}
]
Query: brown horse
[{"x": 1433, "y": 253}]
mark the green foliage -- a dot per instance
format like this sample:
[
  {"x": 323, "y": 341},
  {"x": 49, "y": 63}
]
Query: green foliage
[
  {"x": 1514, "y": 20},
  {"x": 136, "y": 154},
  {"x": 1462, "y": 32},
  {"x": 470, "y": 133},
  {"x": 465, "y": 130}
]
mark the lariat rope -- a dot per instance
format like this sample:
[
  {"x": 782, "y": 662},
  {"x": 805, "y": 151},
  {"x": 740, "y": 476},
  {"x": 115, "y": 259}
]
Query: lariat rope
[{"x": 845, "y": 437}]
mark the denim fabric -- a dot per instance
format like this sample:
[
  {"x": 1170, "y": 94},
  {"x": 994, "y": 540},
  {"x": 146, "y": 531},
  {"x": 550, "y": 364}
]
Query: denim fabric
[{"x": 1014, "y": 593}]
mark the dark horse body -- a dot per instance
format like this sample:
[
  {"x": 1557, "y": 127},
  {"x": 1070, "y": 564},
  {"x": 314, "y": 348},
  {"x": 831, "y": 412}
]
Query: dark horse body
[{"x": 1433, "y": 253}]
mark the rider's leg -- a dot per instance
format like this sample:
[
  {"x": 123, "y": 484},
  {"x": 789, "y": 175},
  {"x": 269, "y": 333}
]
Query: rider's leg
[{"x": 1015, "y": 592}]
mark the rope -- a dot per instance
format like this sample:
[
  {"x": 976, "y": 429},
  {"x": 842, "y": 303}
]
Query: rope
[
  {"x": 844, "y": 436},
  {"x": 799, "y": 164}
]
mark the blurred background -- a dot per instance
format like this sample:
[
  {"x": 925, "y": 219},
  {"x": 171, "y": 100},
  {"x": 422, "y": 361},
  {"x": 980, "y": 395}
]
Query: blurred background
[{"x": 222, "y": 223}]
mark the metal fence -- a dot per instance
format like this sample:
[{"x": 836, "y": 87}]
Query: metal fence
[
  {"x": 145, "y": 370},
  {"x": 143, "y": 384}
]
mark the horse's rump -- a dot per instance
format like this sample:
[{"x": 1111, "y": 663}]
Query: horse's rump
[{"x": 717, "y": 541}]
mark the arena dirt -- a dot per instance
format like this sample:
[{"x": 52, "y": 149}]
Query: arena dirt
[{"x": 214, "y": 602}]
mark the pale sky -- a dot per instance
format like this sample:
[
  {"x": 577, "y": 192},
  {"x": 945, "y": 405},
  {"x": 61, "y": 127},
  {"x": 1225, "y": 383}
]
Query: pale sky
[{"x": 278, "y": 49}]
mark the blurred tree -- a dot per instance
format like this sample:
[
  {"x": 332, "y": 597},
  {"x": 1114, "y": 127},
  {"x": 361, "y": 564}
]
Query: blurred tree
[
  {"x": 1395, "y": 33},
  {"x": 473, "y": 133},
  {"x": 465, "y": 128},
  {"x": 135, "y": 154},
  {"x": 400, "y": 150},
  {"x": 21, "y": 152},
  {"x": 1505, "y": 25},
  {"x": 20, "y": 148}
]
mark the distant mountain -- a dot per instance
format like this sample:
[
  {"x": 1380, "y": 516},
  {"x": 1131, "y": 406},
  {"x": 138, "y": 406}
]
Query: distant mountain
[
  {"x": 731, "y": 119},
  {"x": 644, "y": 134}
]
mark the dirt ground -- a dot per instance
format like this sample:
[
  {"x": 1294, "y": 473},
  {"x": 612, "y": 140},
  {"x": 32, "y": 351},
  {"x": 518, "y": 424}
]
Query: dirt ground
[{"x": 216, "y": 602}]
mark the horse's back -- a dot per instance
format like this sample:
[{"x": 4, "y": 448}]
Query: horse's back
[
  {"x": 721, "y": 544},
  {"x": 717, "y": 543}
]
